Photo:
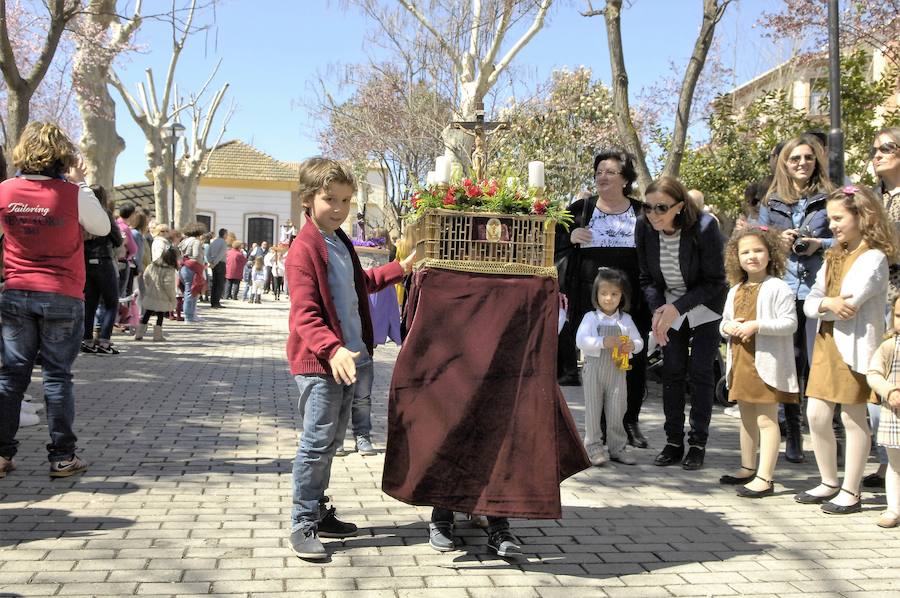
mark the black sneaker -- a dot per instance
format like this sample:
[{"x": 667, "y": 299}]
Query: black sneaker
[
  {"x": 504, "y": 543},
  {"x": 670, "y": 455},
  {"x": 332, "y": 527},
  {"x": 440, "y": 536},
  {"x": 694, "y": 458},
  {"x": 306, "y": 544}
]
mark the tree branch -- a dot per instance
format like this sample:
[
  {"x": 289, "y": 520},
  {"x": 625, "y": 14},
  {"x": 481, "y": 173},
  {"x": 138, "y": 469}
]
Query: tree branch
[
  {"x": 452, "y": 54},
  {"x": 712, "y": 14},
  {"x": 526, "y": 37}
]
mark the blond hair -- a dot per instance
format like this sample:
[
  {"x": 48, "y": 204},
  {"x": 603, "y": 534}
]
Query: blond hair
[
  {"x": 782, "y": 182},
  {"x": 44, "y": 149},
  {"x": 875, "y": 226},
  {"x": 768, "y": 237},
  {"x": 237, "y": 244},
  {"x": 318, "y": 173}
]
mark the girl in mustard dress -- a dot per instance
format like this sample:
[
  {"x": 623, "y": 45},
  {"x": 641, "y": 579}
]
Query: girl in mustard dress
[
  {"x": 759, "y": 321},
  {"x": 849, "y": 299}
]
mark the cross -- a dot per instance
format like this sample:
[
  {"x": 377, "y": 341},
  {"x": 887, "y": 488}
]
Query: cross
[{"x": 479, "y": 129}]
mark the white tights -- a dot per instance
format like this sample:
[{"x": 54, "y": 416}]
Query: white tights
[
  {"x": 820, "y": 413},
  {"x": 892, "y": 480},
  {"x": 759, "y": 429}
]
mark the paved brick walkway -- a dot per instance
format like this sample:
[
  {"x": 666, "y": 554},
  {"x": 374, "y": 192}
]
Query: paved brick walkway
[{"x": 190, "y": 444}]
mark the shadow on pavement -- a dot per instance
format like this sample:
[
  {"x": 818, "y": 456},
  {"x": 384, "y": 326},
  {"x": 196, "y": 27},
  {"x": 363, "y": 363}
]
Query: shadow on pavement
[{"x": 23, "y": 525}]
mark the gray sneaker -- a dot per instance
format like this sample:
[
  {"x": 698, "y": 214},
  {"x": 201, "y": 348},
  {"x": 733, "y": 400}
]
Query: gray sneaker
[
  {"x": 341, "y": 451},
  {"x": 364, "y": 446},
  {"x": 306, "y": 544},
  {"x": 440, "y": 536},
  {"x": 504, "y": 543}
]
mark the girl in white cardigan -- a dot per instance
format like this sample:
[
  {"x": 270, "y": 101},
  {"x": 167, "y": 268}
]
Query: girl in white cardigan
[
  {"x": 848, "y": 299},
  {"x": 759, "y": 321}
]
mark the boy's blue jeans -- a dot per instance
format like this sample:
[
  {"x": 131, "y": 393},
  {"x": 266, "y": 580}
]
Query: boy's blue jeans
[
  {"x": 361, "y": 413},
  {"x": 325, "y": 411},
  {"x": 54, "y": 325}
]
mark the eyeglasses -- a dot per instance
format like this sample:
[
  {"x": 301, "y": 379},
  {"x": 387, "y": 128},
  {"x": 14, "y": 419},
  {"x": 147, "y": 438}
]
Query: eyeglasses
[
  {"x": 886, "y": 149},
  {"x": 608, "y": 172},
  {"x": 659, "y": 208},
  {"x": 804, "y": 157}
]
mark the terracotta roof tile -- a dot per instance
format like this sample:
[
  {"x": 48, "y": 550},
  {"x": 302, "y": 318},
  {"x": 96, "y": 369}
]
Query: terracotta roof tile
[{"x": 238, "y": 160}]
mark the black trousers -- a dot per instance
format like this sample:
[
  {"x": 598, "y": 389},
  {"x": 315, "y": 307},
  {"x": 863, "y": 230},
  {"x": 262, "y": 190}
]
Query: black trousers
[
  {"x": 101, "y": 281},
  {"x": 689, "y": 350},
  {"x": 231, "y": 291},
  {"x": 439, "y": 515},
  {"x": 218, "y": 283}
]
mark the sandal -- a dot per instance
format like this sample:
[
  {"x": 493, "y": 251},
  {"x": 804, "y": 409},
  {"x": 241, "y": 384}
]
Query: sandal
[
  {"x": 805, "y": 498},
  {"x": 833, "y": 509}
]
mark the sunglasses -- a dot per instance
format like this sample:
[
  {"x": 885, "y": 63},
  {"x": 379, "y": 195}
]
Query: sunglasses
[
  {"x": 804, "y": 157},
  {"x": 885, "y": 148},
  {"x": 658, "y": 208}
]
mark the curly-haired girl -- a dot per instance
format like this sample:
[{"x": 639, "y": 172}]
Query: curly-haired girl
[
  {"x": 849, "y": 299},
  {"x": 759, "y": 321}
]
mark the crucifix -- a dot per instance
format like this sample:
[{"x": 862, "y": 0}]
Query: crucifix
[{"x": 479, "y": 129}]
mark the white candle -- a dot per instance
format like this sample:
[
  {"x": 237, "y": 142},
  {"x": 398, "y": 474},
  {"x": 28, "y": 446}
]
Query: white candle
[
  {"x": 442, "y": 170},
  {"x": 536, "y": 175}
]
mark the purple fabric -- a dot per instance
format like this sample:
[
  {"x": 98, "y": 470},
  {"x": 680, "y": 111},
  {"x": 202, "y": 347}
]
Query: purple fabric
[{"x": 385, "y": 315}]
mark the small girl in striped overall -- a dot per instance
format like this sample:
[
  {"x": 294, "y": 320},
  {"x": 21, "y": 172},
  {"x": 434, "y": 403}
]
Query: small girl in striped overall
[
  {"x": 884, "y": 378},
  {"x": 601, "y": 331}
]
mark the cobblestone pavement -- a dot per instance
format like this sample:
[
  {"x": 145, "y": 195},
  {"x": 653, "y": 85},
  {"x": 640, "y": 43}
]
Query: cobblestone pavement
[{"x": 191, "y": 441}]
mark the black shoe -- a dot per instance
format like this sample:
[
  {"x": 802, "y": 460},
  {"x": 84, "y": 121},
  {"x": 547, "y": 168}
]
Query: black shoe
[
  {"x": 805, "y": 498},
  {"x": 504, "y": 543},
  {"x": 735, "y": 480},
  {"x": 694, "y": 458},
  {"x": 833, "y": 509},
  {"x": 569, "y": 380},
  {"x": 793, "y": 444},
  {"x": 873, "y": 480},
  {"x": 670, "y": 455},
  {"x": 440, "y": 536},
  {"x": 331, "y": 527},
  {"x": 745, "y": 492},
  {"x": 635, "y": 438}
]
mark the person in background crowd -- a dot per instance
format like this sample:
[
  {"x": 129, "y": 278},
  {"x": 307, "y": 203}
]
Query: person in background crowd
[
  {"x": 101, "y": 282},
  {"x": 885, "y": 154},
  {"x": 126, "y": 260},
  {"x": 192, "y": 250},
  {"x": 234, "y": 269},
  {"x": 161, "y": 278},
  {"x": 216, "y": 260},
  {"x": 42, "y": 307},
  {"x": 795, "y": 205}
]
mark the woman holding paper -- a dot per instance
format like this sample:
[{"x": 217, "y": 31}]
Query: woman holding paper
[{"x": 603, "y": 235}]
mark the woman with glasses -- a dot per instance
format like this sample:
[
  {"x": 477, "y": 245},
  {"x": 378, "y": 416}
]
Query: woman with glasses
[
  {"x": 885, "y": 155},
  {"x": 795, "y": 205},
  {"x": 682, "y": 275},
  {"x": 603, "y": 235}
]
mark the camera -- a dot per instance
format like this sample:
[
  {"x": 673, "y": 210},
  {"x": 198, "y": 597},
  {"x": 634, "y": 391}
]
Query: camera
[{"x": 801, "y": 245}]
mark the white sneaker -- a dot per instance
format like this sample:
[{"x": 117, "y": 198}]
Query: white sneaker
[
  {"x": 28, "y": 407},
  {"x": 733, "y": 411},
  {"x": 598, "y": 458},
  {"x": 624, "y": 458},
  {"x": 28, "y": 419},
  {"x": 32, "y": 404}
]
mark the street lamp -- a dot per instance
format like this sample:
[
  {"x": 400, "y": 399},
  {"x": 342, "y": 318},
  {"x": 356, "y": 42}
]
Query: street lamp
[
  {"x": 176, "y": 132},
  {"x": 835, "y": 135}
]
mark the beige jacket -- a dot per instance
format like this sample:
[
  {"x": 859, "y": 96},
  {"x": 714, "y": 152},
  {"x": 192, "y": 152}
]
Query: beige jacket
[{"x": 159, "y": 288}]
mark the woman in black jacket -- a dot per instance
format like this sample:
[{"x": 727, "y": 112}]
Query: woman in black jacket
[
  {"x": 101, "y": 281},
  {"x": 603, "y": 235},
  {"x": 682, "y": 275}
]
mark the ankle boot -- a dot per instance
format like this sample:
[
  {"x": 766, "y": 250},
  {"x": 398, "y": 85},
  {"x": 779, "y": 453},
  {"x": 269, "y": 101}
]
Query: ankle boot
[
  {"x": 157, "y": 333},
  {"x": 793, "y": 443},
  {"x": 140, "y": 331}
]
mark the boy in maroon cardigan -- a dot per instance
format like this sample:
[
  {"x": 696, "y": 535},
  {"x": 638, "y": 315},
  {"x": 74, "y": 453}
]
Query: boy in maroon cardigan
[{"x": 330, "y": 338}]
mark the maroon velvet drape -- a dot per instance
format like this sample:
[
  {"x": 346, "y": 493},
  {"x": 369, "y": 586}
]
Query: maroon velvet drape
[{"x": 476, "y": 421}]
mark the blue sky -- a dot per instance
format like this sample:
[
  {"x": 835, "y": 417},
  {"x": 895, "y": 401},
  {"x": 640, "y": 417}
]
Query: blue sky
[{"x": 272, "y": 50}]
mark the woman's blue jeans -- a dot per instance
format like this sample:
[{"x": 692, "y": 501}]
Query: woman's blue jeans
[
  {"x": 52, "y": 324},
  {"x": 190, "y": 302}
]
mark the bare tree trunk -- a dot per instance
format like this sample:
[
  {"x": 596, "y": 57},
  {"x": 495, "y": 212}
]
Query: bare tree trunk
[
  {"x": 100, "y": 143},
  {"x": 622, "y": 109},
  {"x": 713, "y": 10},
  {"x": 20, "y": 89}
]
